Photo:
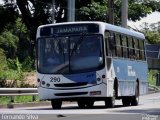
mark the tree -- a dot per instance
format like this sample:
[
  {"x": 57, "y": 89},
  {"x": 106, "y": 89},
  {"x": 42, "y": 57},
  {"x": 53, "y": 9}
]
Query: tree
[
  {"x": 152, "y": 32},
  {"x": 38, "y": 12},
  {"x": 8, "y": 42},
  {"x": 93, "y": 12},
  {"x": 8, "y": 15}
]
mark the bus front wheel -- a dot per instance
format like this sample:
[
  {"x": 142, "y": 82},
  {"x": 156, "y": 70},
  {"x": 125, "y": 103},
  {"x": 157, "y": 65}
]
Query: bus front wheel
[
  {"x": 56, "y": 104},
  {"x": 110, "y": 102},
  {"x": 81, "y": 104},
  {"x": 90, "y": 104}
]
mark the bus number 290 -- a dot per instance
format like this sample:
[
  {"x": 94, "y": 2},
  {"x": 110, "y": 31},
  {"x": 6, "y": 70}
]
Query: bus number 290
[{"x": 55, "y": 79}]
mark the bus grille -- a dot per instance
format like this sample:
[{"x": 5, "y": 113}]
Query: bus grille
[
  {"x": 71, "y": 84},
  {"x": 71, "y": 94}
]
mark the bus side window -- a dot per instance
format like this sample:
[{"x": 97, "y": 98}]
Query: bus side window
[
  {"x": 124, "y": 45},
  {"x": 142, "y": 53},
  {"x": 108, "y": 51},
  {"x": 118, "y": 45},
  {"x": 137, "y": 50},
  {"x": 131, "y": 48},
  {"x": 110, "y": 44}
]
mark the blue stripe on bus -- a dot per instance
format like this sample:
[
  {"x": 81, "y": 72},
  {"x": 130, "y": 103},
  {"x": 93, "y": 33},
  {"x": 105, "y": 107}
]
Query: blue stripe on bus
[
  {"x": 130, "y": 70},
  {"x": 82, "y": 77}
]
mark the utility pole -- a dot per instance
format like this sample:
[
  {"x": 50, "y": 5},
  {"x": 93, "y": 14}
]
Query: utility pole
[
  {"x": 111, "y": 11},
  {"x": 53, "y": 11},
  {"x": 71, "y": 10},
  {"x": 124, "y": 13}
]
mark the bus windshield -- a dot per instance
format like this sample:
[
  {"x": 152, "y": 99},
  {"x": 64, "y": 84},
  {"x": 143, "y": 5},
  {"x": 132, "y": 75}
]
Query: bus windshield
[{"x": 72, "y": 54}]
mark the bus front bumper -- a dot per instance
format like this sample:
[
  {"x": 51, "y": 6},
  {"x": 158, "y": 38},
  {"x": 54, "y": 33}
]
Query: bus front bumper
[{"x": 96, "y": 91}]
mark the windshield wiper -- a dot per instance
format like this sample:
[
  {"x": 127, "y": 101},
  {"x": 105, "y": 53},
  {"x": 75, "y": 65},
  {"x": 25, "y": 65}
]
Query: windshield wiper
[{"x": 77, "y": 44}]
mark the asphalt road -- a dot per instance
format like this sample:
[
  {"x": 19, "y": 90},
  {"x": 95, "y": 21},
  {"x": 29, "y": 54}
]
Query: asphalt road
[{"x": 148, "y": 109}]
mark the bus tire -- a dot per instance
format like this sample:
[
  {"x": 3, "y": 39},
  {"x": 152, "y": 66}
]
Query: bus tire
[
  {"x": 110, "y": 102},
  {"x": 56, "y": 104},
  {"x": 90, "y": 104},
  {"x": 135, "y": 99},
  {"x": 81, "y": 104},
  {"x": 126, "y": 101}
]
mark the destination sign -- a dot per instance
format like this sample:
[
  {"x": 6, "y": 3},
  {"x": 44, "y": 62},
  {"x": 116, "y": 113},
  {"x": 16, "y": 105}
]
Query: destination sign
[
  {"x": 69, "y": 29},
  {"x": 74, "y": 29}
]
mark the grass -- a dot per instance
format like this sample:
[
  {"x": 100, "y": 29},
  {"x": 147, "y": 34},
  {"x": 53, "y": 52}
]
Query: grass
[
  {"x": 17, "y": 99},
  {"x": 5, "y": 100}
]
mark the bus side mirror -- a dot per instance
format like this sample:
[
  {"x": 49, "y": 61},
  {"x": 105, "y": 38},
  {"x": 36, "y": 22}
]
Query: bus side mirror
[{"x": 111, "y": 42}]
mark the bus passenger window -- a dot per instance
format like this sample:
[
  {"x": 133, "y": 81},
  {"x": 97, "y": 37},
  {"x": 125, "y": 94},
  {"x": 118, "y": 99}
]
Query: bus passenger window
[
  {"x": 107, "y": 37},
  {"x": 142, "y": 53},
  {"x": 124, "y": 45},
  {"x": 137, "y": 50},
  {"x": 110, "y": 44},
  {"x": 118, "y": 45},
  {"x": 131, "y": 48}
]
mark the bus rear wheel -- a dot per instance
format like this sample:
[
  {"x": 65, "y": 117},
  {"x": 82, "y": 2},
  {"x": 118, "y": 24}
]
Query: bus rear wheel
[
  {"x": 56, "y": 104},
  {"x": 126, "y": 101},
  {"x": 135, "y": 99}
]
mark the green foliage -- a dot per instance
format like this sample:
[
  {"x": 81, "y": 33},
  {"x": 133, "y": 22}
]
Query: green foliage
[
  {"x": 3, "y": 63},
  {"x": 11, "y": 70},
  {"x": 15, "y": 71},
  {"x": 153, "y": 37},
  {"x": 25, "y": 99},
  {"x": 8, "y": 15},
  {"x": 152, "y": 32},
  {"x": 4, "y": 100},
  {"x": 152, "y": 76},
  {"x": 18, "y": 99},
  {"x": 138, "y": 10},
  {"x": 93, "y": 12},
  {"x": 10, "y": 75},
  {"x": 27, "y": 65},
  {"x": 8, "y": 42}
]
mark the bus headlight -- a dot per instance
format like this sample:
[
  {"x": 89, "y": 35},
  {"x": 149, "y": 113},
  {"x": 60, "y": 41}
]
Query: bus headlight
[
  {"x": 98, "y": 79},
  {"x": 48, "y": 85},
  {"x": 43, "y": 83},
  {"x": 103, "y": 76}
]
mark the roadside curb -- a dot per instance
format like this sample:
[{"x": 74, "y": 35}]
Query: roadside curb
[{"x": 20, "y": 105}]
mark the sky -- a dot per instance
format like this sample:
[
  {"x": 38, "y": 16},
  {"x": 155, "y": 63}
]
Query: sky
[
  {"x": 151, "y": 18},
  {"x": 1, "y": 2}
]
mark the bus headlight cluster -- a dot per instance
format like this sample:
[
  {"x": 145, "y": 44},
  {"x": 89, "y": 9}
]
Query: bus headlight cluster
[
  {"x": 48, "y": 85},
  {"x": 43, "y": 83},
  {"x": 98, "y": 79}
]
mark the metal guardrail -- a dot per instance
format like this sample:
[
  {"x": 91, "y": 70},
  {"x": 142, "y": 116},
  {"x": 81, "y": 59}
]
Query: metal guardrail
[
  {"x": 17, "y": 91},
  {"x": 12, "y": 92},
  {"x": 153, "y": 88}
]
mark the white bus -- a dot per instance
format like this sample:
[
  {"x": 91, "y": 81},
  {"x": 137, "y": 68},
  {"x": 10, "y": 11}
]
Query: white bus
[{"x": 90, "y": 61}]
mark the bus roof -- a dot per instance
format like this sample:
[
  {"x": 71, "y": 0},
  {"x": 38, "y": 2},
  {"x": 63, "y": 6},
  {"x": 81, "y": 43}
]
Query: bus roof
[{"x": 105, "y": 26}]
